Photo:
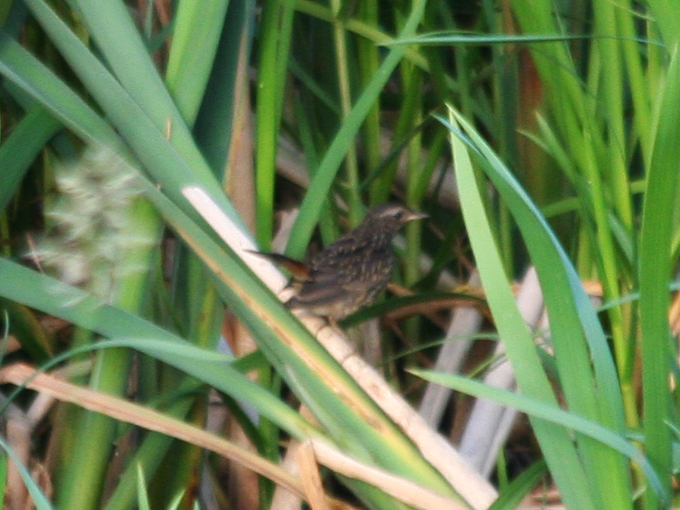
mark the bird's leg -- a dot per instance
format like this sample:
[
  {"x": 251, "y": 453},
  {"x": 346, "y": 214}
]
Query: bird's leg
[
  {"x": 324, "y": 321},
  {"x": 333, "y": 323},
  {"x": 328, "y": 322}
]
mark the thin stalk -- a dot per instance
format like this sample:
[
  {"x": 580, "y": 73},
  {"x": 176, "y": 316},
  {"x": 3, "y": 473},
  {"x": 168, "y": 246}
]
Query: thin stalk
[
  {"x": 276, "y": 29},
  {"x": 414, "y": 178},
  {"x": 632, "y": 54},
  {"x": 369, "y": 63},
  {"x": 343, "y": 75},
  {"x": 611, "y": 93}
]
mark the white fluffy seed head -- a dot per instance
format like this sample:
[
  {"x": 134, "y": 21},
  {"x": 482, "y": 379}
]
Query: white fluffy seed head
[{"x": 90, "y": 232}]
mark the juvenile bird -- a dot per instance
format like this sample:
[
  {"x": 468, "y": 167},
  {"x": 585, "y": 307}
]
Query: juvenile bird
[{"x": 353, "y": 270}]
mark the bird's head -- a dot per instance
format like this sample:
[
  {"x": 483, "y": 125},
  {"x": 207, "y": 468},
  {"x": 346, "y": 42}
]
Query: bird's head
[{"x": 391, "y": 217}]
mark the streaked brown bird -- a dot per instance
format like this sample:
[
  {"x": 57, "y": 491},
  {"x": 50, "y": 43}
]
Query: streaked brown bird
[{"x": 353, "y": 270}]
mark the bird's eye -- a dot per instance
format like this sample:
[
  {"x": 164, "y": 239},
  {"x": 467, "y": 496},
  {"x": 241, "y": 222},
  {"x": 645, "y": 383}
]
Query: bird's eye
[{"x": 399, "y": 215}]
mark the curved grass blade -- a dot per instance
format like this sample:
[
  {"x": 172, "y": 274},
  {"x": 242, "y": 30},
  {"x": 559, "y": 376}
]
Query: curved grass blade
[
  {"x": 39, "y": 499},
  {"x": 575, "y": 331},
  {"x": 547, "y": 412},
  {"x": 655, "y": 274}
]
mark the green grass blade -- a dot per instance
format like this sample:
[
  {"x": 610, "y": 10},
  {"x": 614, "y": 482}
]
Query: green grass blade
[
  {"x": 39, "y": 499},
  {"x": 51, "y": 296},
  {"x": 3, "y": 478},
  {"x": 277, "y": 25},
  {"x": 655, "y": 271},
  {"x": 559, "y": 450},
  {"x": 21, "y": 68},
  {"x": 667, "y": 17},
  {"x": 572, "y": 318},
  {"x": 548, "y": 412},
  {"x": 110, "y": 24},
  {"x": 221, "y": 107},
  {"x": 22, "y": 147},
  {"x": 172, "y": 163},
  {"x": 515, "y": 492},
  {"x": 142, "y": 494},
  {"x": 195, "y": 39},
  {"x": 577, "y": 335}
]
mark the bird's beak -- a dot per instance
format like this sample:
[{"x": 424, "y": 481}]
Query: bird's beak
[{"x": 412, "y": 216}]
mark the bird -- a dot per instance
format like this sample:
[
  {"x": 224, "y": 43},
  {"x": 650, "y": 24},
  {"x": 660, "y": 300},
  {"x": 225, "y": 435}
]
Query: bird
[{"x": 352, "y": 271}]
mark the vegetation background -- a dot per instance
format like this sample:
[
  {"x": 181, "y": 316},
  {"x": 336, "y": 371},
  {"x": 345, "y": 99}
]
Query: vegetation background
[{"x": 536, "y": 134}]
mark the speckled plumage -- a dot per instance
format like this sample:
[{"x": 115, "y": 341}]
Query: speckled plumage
[{"x": 352, "y": 271}]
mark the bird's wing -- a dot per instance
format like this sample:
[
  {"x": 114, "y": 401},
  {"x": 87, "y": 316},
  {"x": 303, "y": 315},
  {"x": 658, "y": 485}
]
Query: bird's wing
[
  {"x": 314, "y": 295},
  {"x": 326, "y": 286}
]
